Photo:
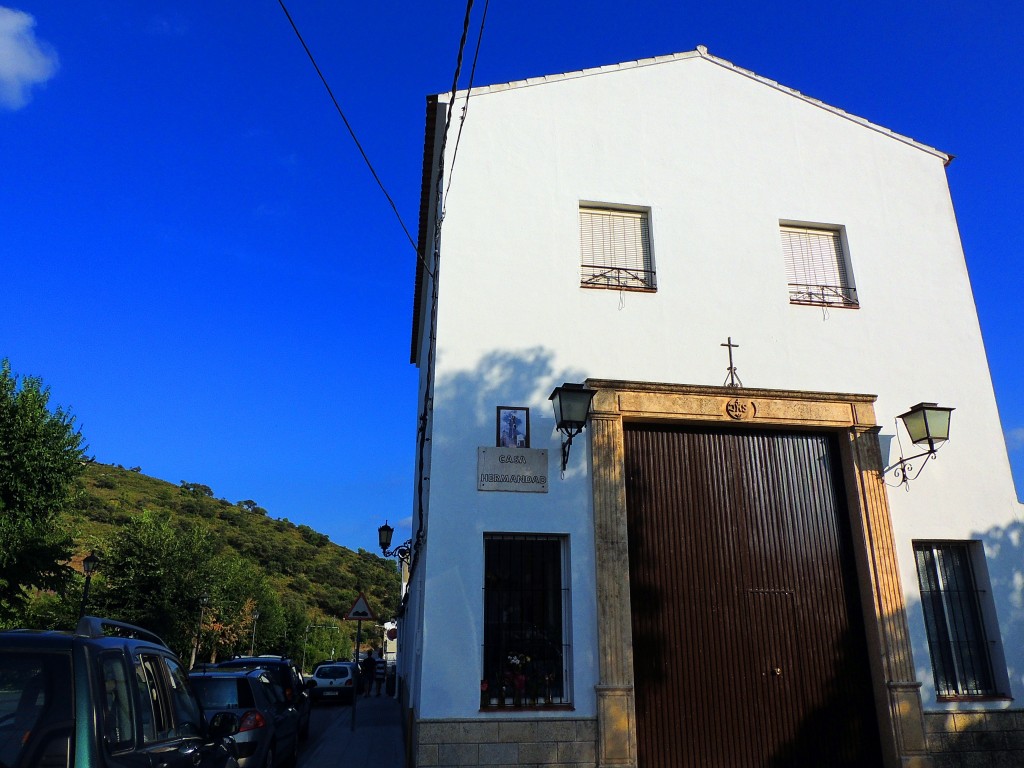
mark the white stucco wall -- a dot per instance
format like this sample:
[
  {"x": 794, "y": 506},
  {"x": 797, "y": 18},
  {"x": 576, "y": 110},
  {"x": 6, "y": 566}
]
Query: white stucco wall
[{"x": 719, "y": 159}]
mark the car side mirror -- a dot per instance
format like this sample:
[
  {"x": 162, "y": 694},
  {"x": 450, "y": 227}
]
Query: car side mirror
[
  {"x": 224, "y": 724},
  {"x": 310, "y": 683}
]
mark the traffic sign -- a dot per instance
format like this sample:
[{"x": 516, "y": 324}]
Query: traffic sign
[{"x": 360, "y": 610}]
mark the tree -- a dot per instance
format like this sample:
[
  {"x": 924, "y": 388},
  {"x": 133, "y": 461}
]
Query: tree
[
  {"x": 251, "y": 506},
  {"x": 41, "y": 456},
  {"x": 196, "y": 490},
  {"x": 152, "y": 573}
]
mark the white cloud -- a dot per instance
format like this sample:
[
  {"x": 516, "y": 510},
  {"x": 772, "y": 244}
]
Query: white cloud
[
  {"x": 24, "y": 61},
  {"x": 1015, "y": 438}
]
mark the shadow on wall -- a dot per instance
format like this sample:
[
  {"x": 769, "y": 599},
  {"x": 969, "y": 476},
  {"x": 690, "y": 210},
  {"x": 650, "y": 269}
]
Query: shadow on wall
[
  {"x": 465, "y": 416},
  {"x": 1004, "y": 549},
  {"x": 465, "y": 402},
  {"x": 968, "y": 737}
]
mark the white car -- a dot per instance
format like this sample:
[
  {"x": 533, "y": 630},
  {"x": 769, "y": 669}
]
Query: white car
[{"x": 335, "y": 682}]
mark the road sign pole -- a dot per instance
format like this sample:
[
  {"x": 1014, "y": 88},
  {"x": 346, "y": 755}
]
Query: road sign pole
[
  {"x": 355, "y": 696},
  {"x": 360, "y": 610}
]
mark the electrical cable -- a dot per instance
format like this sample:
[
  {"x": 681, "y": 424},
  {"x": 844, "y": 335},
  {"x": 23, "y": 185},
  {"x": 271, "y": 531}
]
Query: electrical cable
[
  {"x": 348, "y": 125},
  {"x": 428, "y": 388},
  {"x": 465, "y": 106},
  {"x": 451, "y": 101}
]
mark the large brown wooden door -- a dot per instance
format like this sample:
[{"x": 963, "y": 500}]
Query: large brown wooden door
[{"x": 749, "y": 646}]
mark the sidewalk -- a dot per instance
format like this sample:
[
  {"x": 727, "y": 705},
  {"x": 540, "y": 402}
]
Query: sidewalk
[{"x": 376, "y": 741}]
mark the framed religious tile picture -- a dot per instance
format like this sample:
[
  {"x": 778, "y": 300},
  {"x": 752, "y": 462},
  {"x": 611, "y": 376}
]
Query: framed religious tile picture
[{"x": 513, "y": 428}]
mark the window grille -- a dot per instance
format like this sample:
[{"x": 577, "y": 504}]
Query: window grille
[
  {"x": 615, "y": 249},
  {"x": 816, "y": 267},
  {"x": 952, "y": 615},
  {"x": 526, "y": 649}
]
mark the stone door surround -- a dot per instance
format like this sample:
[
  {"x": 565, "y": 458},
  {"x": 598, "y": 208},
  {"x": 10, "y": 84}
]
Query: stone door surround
[{"x": 852, "y": 418}]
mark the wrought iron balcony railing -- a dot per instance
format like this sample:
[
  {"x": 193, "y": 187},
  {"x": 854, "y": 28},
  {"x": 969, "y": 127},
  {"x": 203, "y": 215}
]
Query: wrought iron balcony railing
[
  {"x": 602, "y": 276},
  {"x": 823, "y": 295}
]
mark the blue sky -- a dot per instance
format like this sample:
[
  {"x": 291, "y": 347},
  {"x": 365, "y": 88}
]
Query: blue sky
[{"x": 196, "y": 260}]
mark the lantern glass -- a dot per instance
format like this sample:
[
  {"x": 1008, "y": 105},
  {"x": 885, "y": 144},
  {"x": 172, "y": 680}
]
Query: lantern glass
[
  {"x": 90, "y": 563},
  {"x": 571, "y": 403},
  {"x": 384, "y": 534},
  {"x": 927, "y": 423}
]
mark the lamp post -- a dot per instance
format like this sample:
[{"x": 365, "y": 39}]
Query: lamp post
[
  {"x": 305, "y": 639},
  {"x": 928, "y": 427},
  {"x": 571, "y": 403},
  {"x": 403, "y": 551},
  {"x": 204, "y": 599},
  {"x": 252, "y": 646},
  {"x": 88, "y": 565}
]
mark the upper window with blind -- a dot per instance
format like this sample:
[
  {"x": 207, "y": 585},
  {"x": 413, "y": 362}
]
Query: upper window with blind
[
  {"x": 615, "y": 249},
  {"x": 817, "y": 267}
]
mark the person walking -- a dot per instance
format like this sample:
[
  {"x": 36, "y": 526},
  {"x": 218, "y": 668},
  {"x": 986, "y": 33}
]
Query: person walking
[
  {"x": 367, "y": 670},
  {"x": 381, "y": 672}
]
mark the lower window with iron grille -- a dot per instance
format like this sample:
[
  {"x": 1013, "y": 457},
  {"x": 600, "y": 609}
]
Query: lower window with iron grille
[
  {"x": 950, "y": 599},
  {"x": 526, "y": 649}
]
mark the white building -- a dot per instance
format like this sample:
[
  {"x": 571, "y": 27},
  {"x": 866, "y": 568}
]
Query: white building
[{"x": 722, "y": 575}]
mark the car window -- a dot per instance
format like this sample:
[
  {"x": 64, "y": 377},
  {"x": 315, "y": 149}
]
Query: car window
[
  {"x": 187, "y": 715},
  {"x": 281, "y": 671},
  {"x": 160, "y": 723},
  {"x": 220, "y": 693},
  {"x": 116, "y": 709},
  {"x": 36, "y": 712},
  {"x": 282, "y": 677},
  {"x": 274, "y": 691},
  {"x": 333, "y": 673}
]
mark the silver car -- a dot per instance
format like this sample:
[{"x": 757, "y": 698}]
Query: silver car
[{"x": 268, "y": 730}]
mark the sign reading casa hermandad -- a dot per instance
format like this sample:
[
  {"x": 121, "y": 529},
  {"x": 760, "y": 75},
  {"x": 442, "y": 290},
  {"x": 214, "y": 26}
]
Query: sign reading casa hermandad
[{"x": 522, "y": 470}]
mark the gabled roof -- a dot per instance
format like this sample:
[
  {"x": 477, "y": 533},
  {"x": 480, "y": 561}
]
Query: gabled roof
[{"x": 700, "y": 53}]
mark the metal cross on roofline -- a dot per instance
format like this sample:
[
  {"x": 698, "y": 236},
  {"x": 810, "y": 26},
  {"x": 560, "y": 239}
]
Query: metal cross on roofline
[{"x": 732, "y": 380}]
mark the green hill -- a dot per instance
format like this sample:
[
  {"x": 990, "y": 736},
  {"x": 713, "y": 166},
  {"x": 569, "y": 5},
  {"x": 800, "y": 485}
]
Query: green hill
[{"x": 313, "y": 580}]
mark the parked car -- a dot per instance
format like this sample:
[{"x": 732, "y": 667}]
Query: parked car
[
  {"x": 268, "y": 731},
  {"x": 283, "y": 672},
  {"x": 335, "y": 682},
  {"x": 108, "y": 695}
]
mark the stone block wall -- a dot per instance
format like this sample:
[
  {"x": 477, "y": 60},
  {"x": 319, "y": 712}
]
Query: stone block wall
[
  {"x": 542, "y": 743},
  {"x": 976, "y": 739}
]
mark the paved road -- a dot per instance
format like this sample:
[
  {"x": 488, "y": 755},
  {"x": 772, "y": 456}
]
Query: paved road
[{"x": 375, "y": 742}]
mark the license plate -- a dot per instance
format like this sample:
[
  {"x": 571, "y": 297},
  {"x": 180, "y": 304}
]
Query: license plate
[{"x": 330, "y": 693}]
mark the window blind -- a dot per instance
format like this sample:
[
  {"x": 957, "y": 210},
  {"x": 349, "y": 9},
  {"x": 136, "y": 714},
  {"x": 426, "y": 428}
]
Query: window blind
[
  {"x": 816, "y": 267},
  {"x": 615, "y": 249}
]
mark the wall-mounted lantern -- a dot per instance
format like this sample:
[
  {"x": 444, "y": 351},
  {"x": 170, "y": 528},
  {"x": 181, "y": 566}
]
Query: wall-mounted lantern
[
  {"x": 403, "y": 551},
  {"x": 928, "y": 427},
  {"x": 571, "y": 403}
]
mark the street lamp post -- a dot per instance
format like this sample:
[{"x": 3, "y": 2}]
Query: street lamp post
[
  {"x": 305, "y": 639},
  {"x": 88, "y": 565},
  {"x": 252, "y": 646},
  {"x": 204, "y": 599}
]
